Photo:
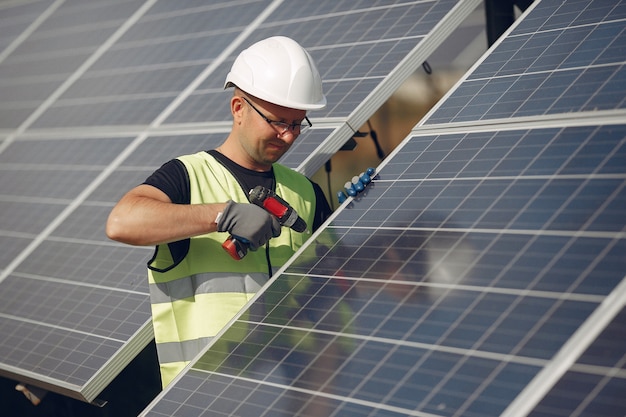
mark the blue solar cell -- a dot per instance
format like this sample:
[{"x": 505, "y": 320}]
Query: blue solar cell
[
  {"x": 607, "y": 350},
  {"x": 583, "y": 394}
]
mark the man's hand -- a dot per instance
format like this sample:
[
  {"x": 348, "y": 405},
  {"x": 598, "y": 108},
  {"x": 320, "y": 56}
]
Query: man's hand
[{"x": 249, "y": 222}]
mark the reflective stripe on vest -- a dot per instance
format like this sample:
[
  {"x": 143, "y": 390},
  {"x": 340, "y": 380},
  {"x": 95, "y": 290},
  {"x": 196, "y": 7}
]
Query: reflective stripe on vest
[
  {"x": 194, "y": 299},
  {"x": 210, "y": 282}
]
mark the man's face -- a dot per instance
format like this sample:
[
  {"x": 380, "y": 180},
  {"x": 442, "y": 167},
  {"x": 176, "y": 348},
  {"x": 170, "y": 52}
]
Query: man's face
[{"x": 266, "y": 141}]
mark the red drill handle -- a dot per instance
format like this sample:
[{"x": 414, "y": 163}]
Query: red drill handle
[
  {"x": 276, "y": 206},
  {"x": 235, "y": 248}
]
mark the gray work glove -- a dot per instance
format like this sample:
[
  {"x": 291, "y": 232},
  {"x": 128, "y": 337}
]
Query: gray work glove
[{"x": 249, "y": 223}]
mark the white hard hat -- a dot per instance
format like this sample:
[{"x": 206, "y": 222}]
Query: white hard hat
[{"x": 278, "y": 70}]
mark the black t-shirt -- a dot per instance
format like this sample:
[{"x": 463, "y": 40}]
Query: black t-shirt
[{"x": 173, "y": 180}]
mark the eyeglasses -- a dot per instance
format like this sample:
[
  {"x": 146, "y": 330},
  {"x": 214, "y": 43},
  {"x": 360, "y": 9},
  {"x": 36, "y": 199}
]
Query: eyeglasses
[{"x": 283, "y": 127}]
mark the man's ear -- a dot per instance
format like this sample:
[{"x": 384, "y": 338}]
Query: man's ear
[{"x": 236, "y": 108}]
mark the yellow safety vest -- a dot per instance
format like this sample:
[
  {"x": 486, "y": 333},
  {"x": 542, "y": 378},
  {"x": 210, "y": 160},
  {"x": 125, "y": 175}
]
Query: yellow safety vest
[{"x": 192, "y": 300}]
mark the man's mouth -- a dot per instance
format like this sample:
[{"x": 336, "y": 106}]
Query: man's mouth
[{"x": 276, "y": 146}]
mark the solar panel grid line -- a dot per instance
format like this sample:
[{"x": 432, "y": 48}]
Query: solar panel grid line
[
  {"x": 586, "y": 118},
  {"x": 341, "y": 367},
  {"x": 572, "y": 233},
  {"x": 79, "y": 241},
  {"x": 101, "y": 11},
  {"x": 551, "y": 71},
  {"x": 305, "y": 369},
  {"x": 19, "y": 235},
  {"x": 603, "y": 371},
  {"x": 125, "y": 131},
  {"x": 48, "y": 167},
  {"x": 346, "y": 21},
  {"x": 78, "y": 315},
  {"x": 102, "y": 350},
  {"x": 10, "y": 198},
  {"x": 546, "y": 177},
  {"x": 609, "y": 17},
  {"x": 544, "y": 381},
  {"x": 36, "y": 58},
  {"x": 480, "y": 181},
  {"x": 77, "y": 284},
  {"x": 550, "y": 295},
  {"x": 334, "y": 141},
  {"x": 51, "y": 227},
  {"x": 29, "y": 31},
  {"x": 67, "y": 13},
  {"x": 184, "y": 9},
  {"x": 56, "y": 326},
  {"x": 526, "y": 232},
  {"x": 69, "y": 102},
  {"x": 562, "y": 95}
]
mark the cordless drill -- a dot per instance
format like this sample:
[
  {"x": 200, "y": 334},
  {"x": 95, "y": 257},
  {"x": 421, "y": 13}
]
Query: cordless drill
[{"x": 276, "y": 206}]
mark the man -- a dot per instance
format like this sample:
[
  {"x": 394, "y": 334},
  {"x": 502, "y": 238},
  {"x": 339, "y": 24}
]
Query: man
[{"x": 192, "y": 204}]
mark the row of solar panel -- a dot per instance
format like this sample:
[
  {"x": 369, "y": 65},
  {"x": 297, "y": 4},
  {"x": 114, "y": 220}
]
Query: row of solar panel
[{"x": 475, "y": 262}]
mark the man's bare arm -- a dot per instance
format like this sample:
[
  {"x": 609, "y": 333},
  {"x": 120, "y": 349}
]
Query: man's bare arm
[{"x": 146, "y": 216}]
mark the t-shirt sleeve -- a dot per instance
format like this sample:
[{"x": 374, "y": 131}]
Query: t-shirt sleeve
[{"x": 173, "y": 180}]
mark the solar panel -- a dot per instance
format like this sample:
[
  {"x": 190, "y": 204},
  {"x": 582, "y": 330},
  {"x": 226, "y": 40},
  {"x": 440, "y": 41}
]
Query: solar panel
[
  {"x": 97, "y": 94},
  {"x": 563, "y": 60},
  {"x": 480, "y": 274}
]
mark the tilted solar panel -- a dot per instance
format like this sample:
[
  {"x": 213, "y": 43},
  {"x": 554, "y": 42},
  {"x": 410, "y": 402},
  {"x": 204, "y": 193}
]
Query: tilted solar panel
[
  {"x": 480, "y": 274},
  {"x": 565, "y": 59},
  {"x": 97, "y": 94},
  {"x": 458, "y": 290}
]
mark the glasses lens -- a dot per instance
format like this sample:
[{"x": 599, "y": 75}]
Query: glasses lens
[{"x": 283, "y": 127}]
